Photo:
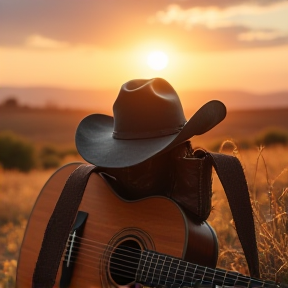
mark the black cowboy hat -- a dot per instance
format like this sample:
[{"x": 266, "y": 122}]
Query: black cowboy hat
[{"x": 148, "y": 120}]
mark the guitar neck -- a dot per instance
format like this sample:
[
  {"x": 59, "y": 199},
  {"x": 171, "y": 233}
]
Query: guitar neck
[{"x": 159, "y": 269}]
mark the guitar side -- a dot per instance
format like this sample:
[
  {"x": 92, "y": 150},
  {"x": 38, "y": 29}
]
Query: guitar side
[{"x": 154, "y": 223}]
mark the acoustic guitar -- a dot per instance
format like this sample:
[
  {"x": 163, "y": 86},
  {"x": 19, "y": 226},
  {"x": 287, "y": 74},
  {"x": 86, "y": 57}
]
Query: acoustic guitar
[{"x": 116, "y": 243}]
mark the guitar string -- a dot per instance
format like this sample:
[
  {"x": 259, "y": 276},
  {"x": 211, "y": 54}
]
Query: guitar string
[
  {"x": 91, "y": 261},
  {"x": 95, "y": 257},
  {"x": 207, "y": 270},
  {"x": 172, "y": 283},
  {"x": 174, "y": 280},
  {"x": 128, "y": 272},
  {"x": 107, "y": 260},
  {"x": 199, "y": 268}
]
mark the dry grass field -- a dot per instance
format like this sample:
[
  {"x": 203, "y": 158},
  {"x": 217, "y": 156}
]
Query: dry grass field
[
  {"x": 18, "y": 193},
  {"x": 267, "y": 175},
  {"x": 266, "y": 172}
]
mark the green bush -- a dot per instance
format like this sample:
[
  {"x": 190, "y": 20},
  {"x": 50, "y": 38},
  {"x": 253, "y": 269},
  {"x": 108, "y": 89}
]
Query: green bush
[
  {"x": 272, "y": 136},
  {"x": 16, "y": 152},
  {"x": 51, "y": 161},
  {"x": 51, "y": 157},
  {"x": 69, "y": 151}
]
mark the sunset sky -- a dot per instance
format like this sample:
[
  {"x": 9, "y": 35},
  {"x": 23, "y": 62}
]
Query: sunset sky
[{"x": 89, "y": 44}]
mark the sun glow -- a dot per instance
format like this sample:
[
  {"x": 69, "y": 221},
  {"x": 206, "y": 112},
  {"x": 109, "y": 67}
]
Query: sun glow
[{"x": 157, "y": 60}]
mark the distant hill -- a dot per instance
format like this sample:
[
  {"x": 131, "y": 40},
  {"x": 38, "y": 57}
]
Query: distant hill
[
  {"x": 236, "y": 100},
  {"x": 102, "y": 100},
  {"x": 61, "y": 98},
  {"x": 58, "y": 126}
]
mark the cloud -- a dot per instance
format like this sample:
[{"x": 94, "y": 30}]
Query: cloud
[
  {"x": 260, "y": 35},
  {"x": 40, "y": 42},
  {"x": 114, "y": 25},
  {"x": 250, "y": 22},
  {"x": 211, "y": 17},
  {"x": 214, "y": 17},
  {"x": 222, "y": 3}
]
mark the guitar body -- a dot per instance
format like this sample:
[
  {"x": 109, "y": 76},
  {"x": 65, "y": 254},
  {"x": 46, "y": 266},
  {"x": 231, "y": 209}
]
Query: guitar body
[{"x": 154, "y": 223}]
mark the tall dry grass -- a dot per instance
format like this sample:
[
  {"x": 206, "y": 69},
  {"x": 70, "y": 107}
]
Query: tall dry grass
[
  {"x": 266, "y": 172},
  {"x": 18, "y": 192}
]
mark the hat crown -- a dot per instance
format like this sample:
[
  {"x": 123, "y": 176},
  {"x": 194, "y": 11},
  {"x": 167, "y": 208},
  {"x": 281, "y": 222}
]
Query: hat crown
[{"x": 147, "y": 109}]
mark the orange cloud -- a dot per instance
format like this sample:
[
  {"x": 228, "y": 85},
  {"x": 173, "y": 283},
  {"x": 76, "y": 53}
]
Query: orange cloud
[
  {"x": 107, "y": 24},
  {"x": 40, "y": 42},
  {"x": 213, "y": 17}
]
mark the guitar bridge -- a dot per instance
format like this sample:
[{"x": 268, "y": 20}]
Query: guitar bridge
[{"x": 73, "y": 244}]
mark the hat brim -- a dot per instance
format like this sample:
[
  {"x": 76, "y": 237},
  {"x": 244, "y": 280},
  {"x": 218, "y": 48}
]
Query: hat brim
[{"x": 96, "y": 144}]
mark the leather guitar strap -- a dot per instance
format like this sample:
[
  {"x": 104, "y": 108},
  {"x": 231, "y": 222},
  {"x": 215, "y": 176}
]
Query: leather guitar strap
[
  {"x": 231, "y": 175},
  {"x": 60, "y": 224}
]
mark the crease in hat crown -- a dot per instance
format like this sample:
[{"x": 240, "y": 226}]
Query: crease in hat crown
[{"x": 147, "y": 109}]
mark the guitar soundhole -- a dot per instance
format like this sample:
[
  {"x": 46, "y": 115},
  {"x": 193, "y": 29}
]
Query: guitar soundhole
[
  {"x": 119, "y": 262},
  {"x": 124, "y": 262}
]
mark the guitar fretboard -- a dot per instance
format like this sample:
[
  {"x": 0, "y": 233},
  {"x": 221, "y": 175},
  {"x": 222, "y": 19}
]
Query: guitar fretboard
[{"x": 159, "y": 269}]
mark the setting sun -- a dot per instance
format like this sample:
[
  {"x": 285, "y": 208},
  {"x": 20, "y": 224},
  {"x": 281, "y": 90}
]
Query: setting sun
[{"x": 157, "y": 60}]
